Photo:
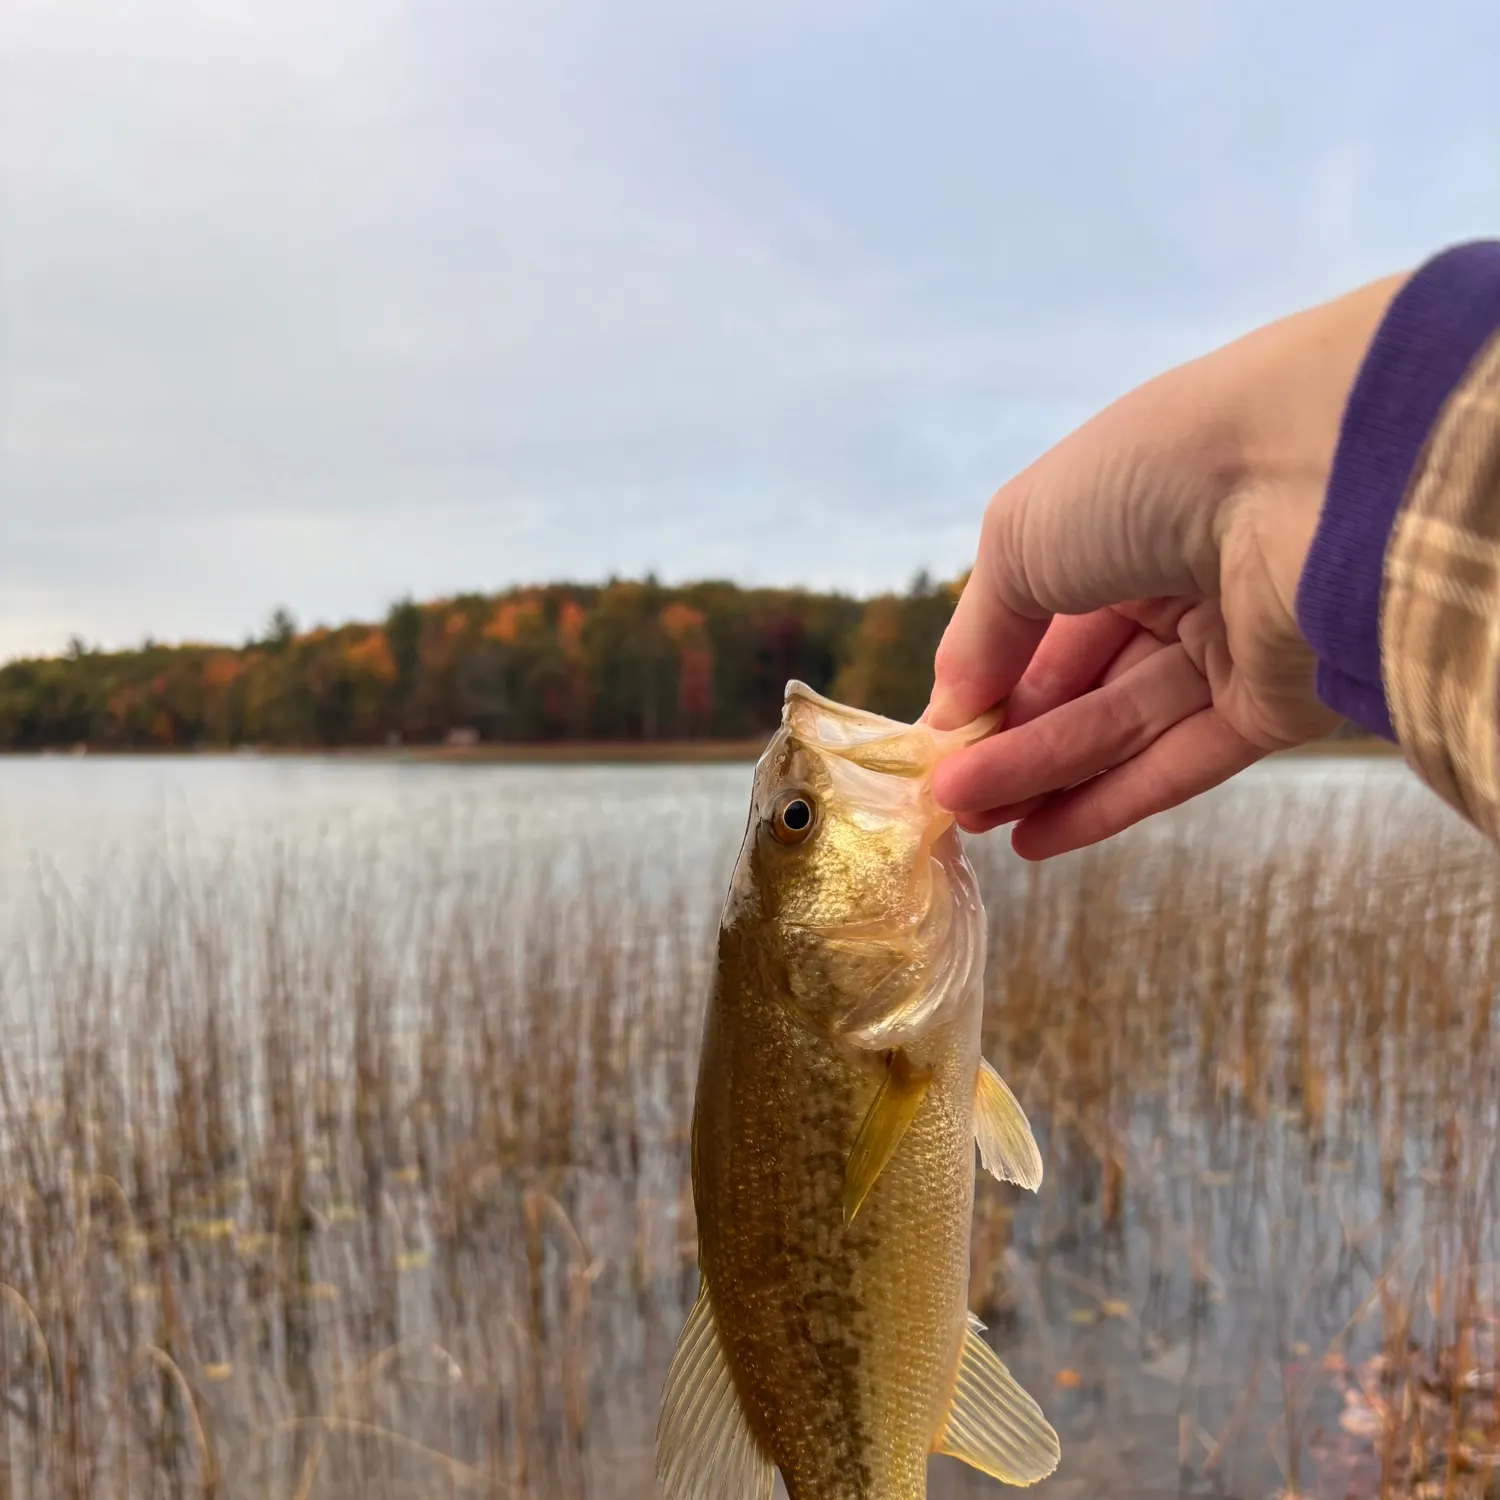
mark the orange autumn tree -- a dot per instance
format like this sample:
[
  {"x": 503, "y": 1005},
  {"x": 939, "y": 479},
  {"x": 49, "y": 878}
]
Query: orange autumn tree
[{"x": 888, "y": 667}]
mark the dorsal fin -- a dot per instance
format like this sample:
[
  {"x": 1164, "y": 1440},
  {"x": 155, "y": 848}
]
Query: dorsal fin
[
  {"x": 993, "y": 1425},
  {"x": 1006, "y": 1145},
  {"x": 891, "y": 1111},
  {"x": 704, "y": 1447}
]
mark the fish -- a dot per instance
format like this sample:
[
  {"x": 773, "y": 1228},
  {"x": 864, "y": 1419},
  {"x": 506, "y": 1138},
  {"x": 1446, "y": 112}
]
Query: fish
[{"x": 840, "y": 1096}]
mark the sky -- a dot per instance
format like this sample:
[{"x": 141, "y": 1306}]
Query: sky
[{"x": 314, "y": 303}]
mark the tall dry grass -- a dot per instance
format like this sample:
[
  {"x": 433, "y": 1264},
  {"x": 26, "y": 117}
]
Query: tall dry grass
[{"x": 316, "y": 1184}]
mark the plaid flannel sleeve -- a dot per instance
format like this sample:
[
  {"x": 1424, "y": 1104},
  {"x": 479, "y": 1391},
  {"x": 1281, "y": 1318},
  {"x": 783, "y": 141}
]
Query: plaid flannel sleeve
[{"x": 1400, "y": 594}]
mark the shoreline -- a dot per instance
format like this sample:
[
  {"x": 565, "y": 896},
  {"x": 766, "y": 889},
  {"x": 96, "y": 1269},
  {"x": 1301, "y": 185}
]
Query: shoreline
[{"x": 567, "y": 752}]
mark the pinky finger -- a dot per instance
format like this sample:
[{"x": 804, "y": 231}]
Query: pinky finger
[{"x": 1195, "y": 755}]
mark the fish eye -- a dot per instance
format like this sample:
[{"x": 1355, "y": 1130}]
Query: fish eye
[{"x": 792, "y": 817}]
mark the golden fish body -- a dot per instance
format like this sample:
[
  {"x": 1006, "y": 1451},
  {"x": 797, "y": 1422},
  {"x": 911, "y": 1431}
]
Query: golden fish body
[{"x": 840, "y": 1093}]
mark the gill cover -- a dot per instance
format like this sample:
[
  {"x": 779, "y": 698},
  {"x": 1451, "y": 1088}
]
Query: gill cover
[{"x": 912, "y": 935}]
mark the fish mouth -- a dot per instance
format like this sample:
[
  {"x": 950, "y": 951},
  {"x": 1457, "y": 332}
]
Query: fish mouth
[
  {"x": 833, "y": 723},
  {"x": 871, "y": 740},
  {"x": 884, "y": 747}
]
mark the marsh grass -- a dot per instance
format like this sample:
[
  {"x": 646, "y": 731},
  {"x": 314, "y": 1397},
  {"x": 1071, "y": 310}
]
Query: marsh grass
[{"x": 323, "y": 1180}]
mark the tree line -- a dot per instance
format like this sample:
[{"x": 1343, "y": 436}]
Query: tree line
[{"x": 626, "y": 660}]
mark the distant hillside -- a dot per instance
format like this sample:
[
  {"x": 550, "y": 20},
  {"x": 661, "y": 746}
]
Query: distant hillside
[{"x": 626, "y": 661}]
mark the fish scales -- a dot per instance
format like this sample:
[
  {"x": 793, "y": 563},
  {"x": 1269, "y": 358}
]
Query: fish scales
[
  {"x": 840, "y": 1088},
  {"x": 831, "y": 1326}
]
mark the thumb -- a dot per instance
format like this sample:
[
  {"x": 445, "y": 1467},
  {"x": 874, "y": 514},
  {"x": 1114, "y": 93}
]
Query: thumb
[
  {"x": 1103, "y": 518},
  {"x": 985, "y": 648}
]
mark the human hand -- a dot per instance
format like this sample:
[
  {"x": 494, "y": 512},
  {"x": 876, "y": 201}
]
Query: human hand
[{"x": 1134, "y": 591}]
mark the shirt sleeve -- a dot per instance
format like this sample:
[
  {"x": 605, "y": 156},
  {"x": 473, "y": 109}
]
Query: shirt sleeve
[
  {"x": 1400, "y": 594},
  {"x": 1440, "y": 610}
]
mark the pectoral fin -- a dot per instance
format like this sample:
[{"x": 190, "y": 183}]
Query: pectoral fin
[
  {"x": 704, "y": 1447},
  {"x": 993, "y": 1425},
  {"x": 1006, "y": 1145},
  {"x": 890, "y": 1112}
]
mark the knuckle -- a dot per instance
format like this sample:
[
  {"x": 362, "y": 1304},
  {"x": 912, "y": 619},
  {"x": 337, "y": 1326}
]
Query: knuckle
[
  {"x": 1124, "y": 717},
  {"x": 1065, "y": 743}
]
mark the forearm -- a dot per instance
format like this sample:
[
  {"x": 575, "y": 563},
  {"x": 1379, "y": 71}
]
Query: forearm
[{"x": 1400, "y": 594}]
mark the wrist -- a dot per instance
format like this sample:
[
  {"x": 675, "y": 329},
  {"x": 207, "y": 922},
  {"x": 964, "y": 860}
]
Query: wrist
[{"x": 1434, "y": 326}]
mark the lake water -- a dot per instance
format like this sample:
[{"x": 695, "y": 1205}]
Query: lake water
[
  {"x": 87, "y": 822},
  {"x": 1252, "y": 1036}
]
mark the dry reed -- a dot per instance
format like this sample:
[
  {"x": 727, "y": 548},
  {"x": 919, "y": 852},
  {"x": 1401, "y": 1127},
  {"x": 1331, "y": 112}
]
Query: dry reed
[{"x": 314, "y": 1184}]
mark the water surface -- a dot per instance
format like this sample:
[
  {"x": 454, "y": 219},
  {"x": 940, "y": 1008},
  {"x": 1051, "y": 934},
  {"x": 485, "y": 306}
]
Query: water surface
[{"x": 459, "y": 1005}]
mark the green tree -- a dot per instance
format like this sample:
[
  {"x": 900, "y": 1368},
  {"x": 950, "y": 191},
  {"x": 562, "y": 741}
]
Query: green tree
[
  {"x": 403, "y": 630},
  {"x": 281, "y": 628}
]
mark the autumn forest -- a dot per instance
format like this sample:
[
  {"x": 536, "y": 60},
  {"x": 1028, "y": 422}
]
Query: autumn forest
[{"x": 623, "y": 661}]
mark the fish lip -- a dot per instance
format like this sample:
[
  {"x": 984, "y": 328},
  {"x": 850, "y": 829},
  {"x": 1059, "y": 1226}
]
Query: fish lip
[
  {"x": 798, "y": 691},
  {"x": 881, "y": 744},
  {"x": 861, "y": 726}
]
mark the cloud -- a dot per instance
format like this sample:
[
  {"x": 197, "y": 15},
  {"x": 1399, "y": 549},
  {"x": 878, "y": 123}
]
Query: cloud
[{"x": 321, "y": 303}]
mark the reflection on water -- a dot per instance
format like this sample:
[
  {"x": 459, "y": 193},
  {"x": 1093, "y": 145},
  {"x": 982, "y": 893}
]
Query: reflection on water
[{"x": 359, "y": 1093}]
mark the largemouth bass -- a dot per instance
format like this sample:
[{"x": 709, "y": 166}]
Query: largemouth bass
[{"x": 841, "y": 1093}]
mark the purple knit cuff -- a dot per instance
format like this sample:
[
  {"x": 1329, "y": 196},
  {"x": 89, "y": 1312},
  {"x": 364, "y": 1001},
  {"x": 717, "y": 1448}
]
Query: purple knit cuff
[{"x": 1433, "y": 329}]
